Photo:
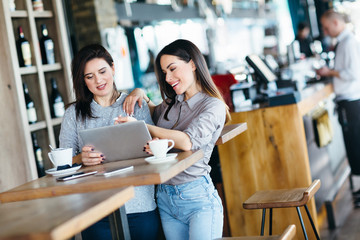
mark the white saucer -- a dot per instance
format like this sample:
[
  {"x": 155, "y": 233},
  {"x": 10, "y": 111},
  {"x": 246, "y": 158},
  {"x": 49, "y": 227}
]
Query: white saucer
[
  {"x": 52, "y": 171},
  {"x": 169, "y": 158}
]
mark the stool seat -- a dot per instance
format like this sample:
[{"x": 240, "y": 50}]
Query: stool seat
[
  {"x": 288, "y": 234},
  {"x": 282, "y": 198}
]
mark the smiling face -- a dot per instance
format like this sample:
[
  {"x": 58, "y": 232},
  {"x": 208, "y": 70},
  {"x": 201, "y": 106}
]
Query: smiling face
[
  {"x": 180, "y": 75},
  {"x": 98, "y": 76}
]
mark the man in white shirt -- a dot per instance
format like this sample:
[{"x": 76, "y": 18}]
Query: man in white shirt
[{"x": 346, "y": 80}]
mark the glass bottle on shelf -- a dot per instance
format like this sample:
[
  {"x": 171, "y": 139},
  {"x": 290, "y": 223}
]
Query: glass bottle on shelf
[
  {"x": 46, "y": 46},
  {"x": 38, "y": 5},
  {"x": 30, "y": 106},
  {"x": 23, "y": 49},
  {"x": 38, "y": 156},
  {"x": 57, "y": 105}
]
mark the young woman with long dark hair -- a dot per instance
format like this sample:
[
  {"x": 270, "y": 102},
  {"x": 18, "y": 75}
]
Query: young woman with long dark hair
[
  {"x": 97, "y": 104},
  {"x": 192, "y": 114}
]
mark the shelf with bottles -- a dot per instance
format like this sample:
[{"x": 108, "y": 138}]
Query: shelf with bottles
[
  {"x": 37, "y": 76},
  {"x": 19, "y": 9}
]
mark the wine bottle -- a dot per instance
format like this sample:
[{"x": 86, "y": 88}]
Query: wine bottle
[
  {"x": 56, "y": 101},
  {"x": 23, "y": 49},
  {"x": 46, "y": 46},
  {"x": 30, "y": 106},
  {"x": 38, "y": 156}
]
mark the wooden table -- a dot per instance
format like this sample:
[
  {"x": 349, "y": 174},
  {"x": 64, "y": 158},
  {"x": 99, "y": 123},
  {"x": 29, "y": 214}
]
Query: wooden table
[
  {"x": 59, "y": 217},
  {"x": 143, "y": 174}
]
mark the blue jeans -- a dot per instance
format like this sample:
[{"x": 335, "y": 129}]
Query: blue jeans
[
  {"x": 191, "y": 210},
  {"x": 143, "y": 226}
]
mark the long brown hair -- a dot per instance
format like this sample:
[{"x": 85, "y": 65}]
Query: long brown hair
[
  {"x": 82, "y": 93},
  {"x": 186, "y": 51}
]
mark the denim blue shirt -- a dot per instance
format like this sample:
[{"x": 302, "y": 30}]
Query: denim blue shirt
[
  {"x": 202, "y": 117},
  {"x": 70, "y": 137}
]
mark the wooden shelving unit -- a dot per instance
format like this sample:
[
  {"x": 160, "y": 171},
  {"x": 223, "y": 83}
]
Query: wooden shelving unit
[{"x": 37, "y": 77}]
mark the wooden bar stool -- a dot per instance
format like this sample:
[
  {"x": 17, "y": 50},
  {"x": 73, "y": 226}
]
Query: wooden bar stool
[
  {"x": 288, "y": 234},
  {"x": 283, "y": 198}
]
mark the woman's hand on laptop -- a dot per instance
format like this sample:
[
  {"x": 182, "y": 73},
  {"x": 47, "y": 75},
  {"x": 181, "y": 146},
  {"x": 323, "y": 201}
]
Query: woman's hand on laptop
[
  {"x": 90, "y": 157},
  {"x": 121, "y": 119}
]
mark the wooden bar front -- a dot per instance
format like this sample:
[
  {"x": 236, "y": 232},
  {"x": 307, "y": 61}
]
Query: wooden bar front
[{"x": 271, "y": 154}]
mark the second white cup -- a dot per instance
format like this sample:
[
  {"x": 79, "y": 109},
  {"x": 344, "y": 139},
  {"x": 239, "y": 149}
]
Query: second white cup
[
  {"x": 160, "y": 147},
  {"x": 61, "y": 156}
]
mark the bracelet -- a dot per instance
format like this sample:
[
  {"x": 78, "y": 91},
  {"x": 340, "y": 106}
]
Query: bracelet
[{"x": 147, "y": 100}]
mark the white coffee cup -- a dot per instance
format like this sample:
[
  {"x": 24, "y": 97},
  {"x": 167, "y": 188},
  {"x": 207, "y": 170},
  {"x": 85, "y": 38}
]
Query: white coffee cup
[
  {"x": 160, "y": 147},
  {"x": 61, "y": 156}
]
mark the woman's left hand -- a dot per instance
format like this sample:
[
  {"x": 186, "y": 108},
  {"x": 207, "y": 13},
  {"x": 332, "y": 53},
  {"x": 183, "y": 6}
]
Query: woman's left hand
[{"x": 121, "y": 119}]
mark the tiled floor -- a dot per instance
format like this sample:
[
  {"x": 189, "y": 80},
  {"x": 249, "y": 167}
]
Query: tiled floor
[{"x": 347, "y": 217}]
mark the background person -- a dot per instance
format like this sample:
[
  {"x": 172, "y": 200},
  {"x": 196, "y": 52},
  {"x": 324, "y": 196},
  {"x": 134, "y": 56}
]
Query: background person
[
  {"x": 304, "y": 39},
  {"x": 97, "y": 104},
  {"x": 346, "y": 80},
  {"x": 192, "y": 114}
]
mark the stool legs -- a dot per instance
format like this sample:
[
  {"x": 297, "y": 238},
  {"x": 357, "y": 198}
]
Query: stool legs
[
  {"x": 300, "y": 218},
  {"x": 263, "y": 222},
  {"x": 312, "y": 223},
  {"x": 270, "y": 222},
  {"x": 302, "y": 223}
]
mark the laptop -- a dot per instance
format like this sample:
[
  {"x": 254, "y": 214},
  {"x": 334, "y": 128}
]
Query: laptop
[{"x": 118, "y": 142}]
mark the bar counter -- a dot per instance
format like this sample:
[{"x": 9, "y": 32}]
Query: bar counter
[{"x": 271, "y": 154}]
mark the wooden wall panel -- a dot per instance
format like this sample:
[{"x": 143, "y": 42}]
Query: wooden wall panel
[{"x": 13, "y": 157}]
